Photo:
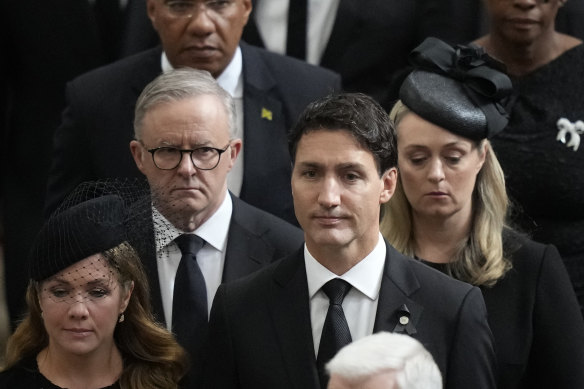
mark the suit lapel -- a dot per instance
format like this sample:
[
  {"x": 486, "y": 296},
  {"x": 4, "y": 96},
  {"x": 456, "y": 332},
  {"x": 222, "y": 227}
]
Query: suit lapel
[
  {"x": 289, "y": 309},
  {"x": 264, "y": 119},
  {"x": 398, "y": 284},
  {"x": 246, "y": 251}
]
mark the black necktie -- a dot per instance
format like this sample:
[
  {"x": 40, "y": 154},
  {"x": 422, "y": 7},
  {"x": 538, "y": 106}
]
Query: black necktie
[
  {"x": 296, "y": 39},
  {"x": 189, "y": 305},
  {"x": 335, "y": 332}
]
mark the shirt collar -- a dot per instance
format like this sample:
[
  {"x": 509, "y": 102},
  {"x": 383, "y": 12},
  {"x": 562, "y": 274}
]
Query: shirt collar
[
  {"x": 365, "y": 276},
  {"x": 231, "y": 79},
  {"x": 214, "y": 230}
]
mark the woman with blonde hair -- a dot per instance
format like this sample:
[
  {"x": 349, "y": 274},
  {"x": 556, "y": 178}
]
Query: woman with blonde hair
[
  {"x": 89, "y": 323},
  {"x": 449, "y": 211}
]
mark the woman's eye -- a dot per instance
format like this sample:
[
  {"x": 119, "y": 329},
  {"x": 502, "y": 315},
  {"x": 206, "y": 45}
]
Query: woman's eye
[
  {"x": 453, "y": 160},
  {"x": 60, "y": 293},
  {"x": 98, "y": 293}
]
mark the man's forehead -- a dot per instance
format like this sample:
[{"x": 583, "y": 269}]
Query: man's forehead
[
  {"x": 338, "y": 146},
  {"x": 328, "y": 135},
  {"x": 340, "y": 165}
]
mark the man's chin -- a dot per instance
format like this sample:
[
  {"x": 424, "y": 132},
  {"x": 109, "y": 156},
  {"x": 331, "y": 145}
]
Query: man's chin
[
  {"x": 330, "y": 238},
  {"x": 186, "y": 206},
  {"x": 184, "y": 214}
]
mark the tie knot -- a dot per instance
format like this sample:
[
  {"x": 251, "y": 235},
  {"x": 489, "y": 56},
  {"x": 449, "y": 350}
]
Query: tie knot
[
  {"x": 336, "y": 290},
  {"x": 189, "y": 244}
]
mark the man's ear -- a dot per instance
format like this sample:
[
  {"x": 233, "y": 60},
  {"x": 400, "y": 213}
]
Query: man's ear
[
  {"x": 151, "y": 10},
  {"x": 138, "y": 153},
  {"x": 235, "y": 149},
  {"x": 247, "y": 6},
  {"x": 389, "y": 180}
]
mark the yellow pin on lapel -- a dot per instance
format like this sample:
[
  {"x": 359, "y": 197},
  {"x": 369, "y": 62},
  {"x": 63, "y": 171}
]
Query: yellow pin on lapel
[{"x": 266, "y": 114}]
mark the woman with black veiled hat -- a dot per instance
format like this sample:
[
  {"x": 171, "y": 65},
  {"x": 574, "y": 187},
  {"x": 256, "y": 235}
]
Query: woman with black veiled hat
[
  {"x": 449, "y": 211},
  {"x": 89, "y": 323}
]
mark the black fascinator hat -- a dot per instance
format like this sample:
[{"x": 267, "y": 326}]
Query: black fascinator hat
[
  {"x": 98, "y": 216},
  {"x": 78, "y": 232},
  {"x": 458, "y": 88}
]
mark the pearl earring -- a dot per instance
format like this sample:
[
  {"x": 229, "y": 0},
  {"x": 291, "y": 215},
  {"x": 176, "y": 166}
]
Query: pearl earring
[{"x": 121, "y": 318}]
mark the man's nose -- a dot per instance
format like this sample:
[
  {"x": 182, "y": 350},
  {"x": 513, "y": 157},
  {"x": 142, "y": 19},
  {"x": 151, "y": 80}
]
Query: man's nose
[{"x": 329, "y": 195}]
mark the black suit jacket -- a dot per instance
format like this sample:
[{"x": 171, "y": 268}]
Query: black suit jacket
[
  {"x": 370, "y": 41},
  {"x": 260, "y": 332},
  {"x": 536, "y": 320},
  {"x": 93, "y": 139}
]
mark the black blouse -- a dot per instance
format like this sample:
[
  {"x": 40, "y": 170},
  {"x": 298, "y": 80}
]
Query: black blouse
[{"x": 26, "y": 374}]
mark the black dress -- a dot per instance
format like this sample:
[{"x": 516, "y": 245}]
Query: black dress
[
  {"x": 26, "y": 374},
  {"x": 535, "y": 320},
  {"x": 545, "y": 177}
]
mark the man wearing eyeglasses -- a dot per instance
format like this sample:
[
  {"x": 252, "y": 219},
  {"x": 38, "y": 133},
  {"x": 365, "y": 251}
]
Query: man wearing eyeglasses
[
  {"x": 269, "y": 91},
  {"x": 185, "y": 145}
]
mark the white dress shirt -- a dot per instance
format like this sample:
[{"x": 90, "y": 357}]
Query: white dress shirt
[
  {"x": 359, "y": 305},
  {"x": 271, "y": 17},
  {"x": 211, "y": 258},
  {"x": 232, "y": 81}
]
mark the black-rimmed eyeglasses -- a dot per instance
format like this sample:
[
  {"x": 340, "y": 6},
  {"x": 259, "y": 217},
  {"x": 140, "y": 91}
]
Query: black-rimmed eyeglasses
[{"x": 203, "y": 158}]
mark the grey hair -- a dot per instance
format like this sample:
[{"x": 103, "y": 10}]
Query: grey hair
[
  {"x": 412, "y": 364},
  {"x": 181, "y": 84}
]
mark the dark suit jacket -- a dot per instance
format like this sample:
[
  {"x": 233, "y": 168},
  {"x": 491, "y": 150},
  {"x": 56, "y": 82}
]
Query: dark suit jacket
[
  {"x": 536, "y": 320},
  {"x": 370, "y": 41},
  {"x": 260, "y": 333},
  {"x": 93, "y": 139}
]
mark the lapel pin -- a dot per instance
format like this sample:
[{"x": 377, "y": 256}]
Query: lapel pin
[
  {"x": 404, "y": 324},
  {"x": 266, "y": 114}
]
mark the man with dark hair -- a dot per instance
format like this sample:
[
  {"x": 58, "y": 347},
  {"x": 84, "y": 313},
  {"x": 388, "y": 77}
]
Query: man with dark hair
[{"x": 279, "y": 327}]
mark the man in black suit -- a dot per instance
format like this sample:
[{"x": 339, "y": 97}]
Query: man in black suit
[
  {"x": 274, "y": 329},
  {"x": 185, "y": 145},
  {"x": 270, "y": 91}
]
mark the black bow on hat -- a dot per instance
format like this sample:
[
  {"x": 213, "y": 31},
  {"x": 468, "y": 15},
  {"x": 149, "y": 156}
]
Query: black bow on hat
[{"x": 458, "y": 88}]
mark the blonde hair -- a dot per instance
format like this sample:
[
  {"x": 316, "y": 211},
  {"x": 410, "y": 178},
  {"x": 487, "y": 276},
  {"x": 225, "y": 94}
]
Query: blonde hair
[
  {"x": 480, "y": 259},
  {"x": 152, "y": 357}
]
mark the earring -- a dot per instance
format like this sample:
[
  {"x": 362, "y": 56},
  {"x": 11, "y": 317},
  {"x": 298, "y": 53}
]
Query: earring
[{"x": 121, "y": 318}]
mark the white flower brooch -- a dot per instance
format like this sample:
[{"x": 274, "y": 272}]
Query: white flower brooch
[{"x": 565, "y": 128}]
